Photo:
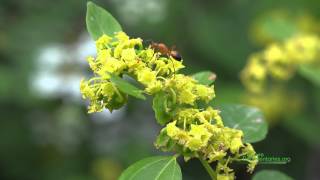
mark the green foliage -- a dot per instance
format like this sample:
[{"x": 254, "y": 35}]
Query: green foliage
[
  {"x": 205, "y": 77},
  {"x": 160, "y": 102},
  {"x": 248, "y": 119},
  {"x": 155, "y": 168},
  {"x": 277, "y": 28},
  {"x": 312, "y": 73},
  {"x": 126, "y": 87},
  {"x": 100, "y": 21},
  {"x": 305, "y": 128},
  {"x": 271, "y": 174}
]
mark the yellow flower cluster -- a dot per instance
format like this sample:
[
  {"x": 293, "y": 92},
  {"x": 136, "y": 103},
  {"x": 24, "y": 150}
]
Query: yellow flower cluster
[
  {"x": 202, "y": 134},
  {"x": 190, "y": 130},
  {"x": 276, "y": 102},
  {"x": 279, "y": 61},
  {"x": 121, "y": 55}
]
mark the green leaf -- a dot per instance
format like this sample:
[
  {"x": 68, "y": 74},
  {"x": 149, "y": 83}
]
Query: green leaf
[
  {"x": 100, "y": 21},
  {"x": 126, "y": 87},
  {"x": 159, "y": 106},
  {"x": 311, "y": 73},
  {"x": 205, "y": 77},
  {"x": 153, "y": 168},
  {"x": 248, "y": 119},
  {"x": 277, "y": 28},
  {"x": 271, "y": 174}
]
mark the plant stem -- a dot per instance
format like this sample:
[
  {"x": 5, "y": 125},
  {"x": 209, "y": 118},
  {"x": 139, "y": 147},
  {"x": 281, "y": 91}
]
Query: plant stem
[
  {"x": 117, "y": 91},
  {"x": 209, "y": 169}
]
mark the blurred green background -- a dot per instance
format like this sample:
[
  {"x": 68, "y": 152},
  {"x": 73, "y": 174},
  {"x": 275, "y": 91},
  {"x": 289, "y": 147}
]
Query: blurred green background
[{"x": 45, "y": 132}]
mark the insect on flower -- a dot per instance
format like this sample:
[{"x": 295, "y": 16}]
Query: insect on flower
[{"x": 164, "y": 50}]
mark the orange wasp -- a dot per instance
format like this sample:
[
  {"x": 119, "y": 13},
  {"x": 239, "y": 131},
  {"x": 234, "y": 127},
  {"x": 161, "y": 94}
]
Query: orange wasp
[{"x": 164, "y": 50}]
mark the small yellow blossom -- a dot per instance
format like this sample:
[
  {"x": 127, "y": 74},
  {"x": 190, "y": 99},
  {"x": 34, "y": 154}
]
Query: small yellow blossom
[
  {"x": 103, "y": 42},
  {"x": 107, "y": 89},
  {"x": 146, "y": 76},
  {"x": 236, "y": 141},
  {"x": 204, "y": 93},
  {"x": 174, "y": 65},
  {"x": 114, "y": 66},
  {"x": 216, "y": 155},
  {"x": 274, "y": 53},
  {"x": 128, "y": 55},
  {"x": 303, "y": 49},
  {"x": 154, "y": 87},
  {"x": 187, "y": 115},
  {"x": 87, "y": 91},
  {"x": 172, "y": 129},
  {"x": 95, "y": 106},
  {"x": 199, "y": 137},
  {"x": 186, "y": 96},
  {"x": 122, "y": 37},
  {"x": 177, "y": 134}
]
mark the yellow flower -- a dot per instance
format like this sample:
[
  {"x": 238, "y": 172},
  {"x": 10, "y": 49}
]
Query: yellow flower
[
  {"x": 146, "y": 76},
  {"x": 128, "y": 55},
  {"x": 187, "y": 115},
  {"x": 205, "y": 93},
  {"x": 280, "y": 61},
  {"x": 154, "y": 87},
  {"x": 101, "y": 60},
  {"x": 216, "y": 155},
  {"x": 172, "y": 129},
  {"x": 257, "y": 69},
  {"x": 114, "y": 66},
  {"x": 86, "y": 90},
  {"x": 181, "y": 82},
  {"x": 236, "y": 141},
  {"x": 254, "y": 74},
  {"x": 174, "y": 65},
  {"x": 103, "y": 42},
  {"x": 303, "y": 49},
  {"x": 95, "y": 106},
  {"x": 134, "y": 42},
  {"x": 92, "y": 63},
  {"x": 208, "y": 115},
  {"x": 176, "y": 133},
  {"x": 148, "y": 55},
  {"x": 130, "y": 58},
  {"x": 122, "y": 36},
  {"x": 186, "y": 97},
  {"x": 252, "y": 157},
  {"x": 161, "y": 67},
  {"x": 199, "y": 137},
  {"x": 274, "y": 53},
  {"x": 107, "y": 89}
]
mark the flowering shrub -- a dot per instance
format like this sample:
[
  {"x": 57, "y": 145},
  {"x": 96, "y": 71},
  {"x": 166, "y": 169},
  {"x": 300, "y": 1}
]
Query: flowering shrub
[
  {"x": 192, "y": 128},
  {"x": 189, "y": 130}
]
